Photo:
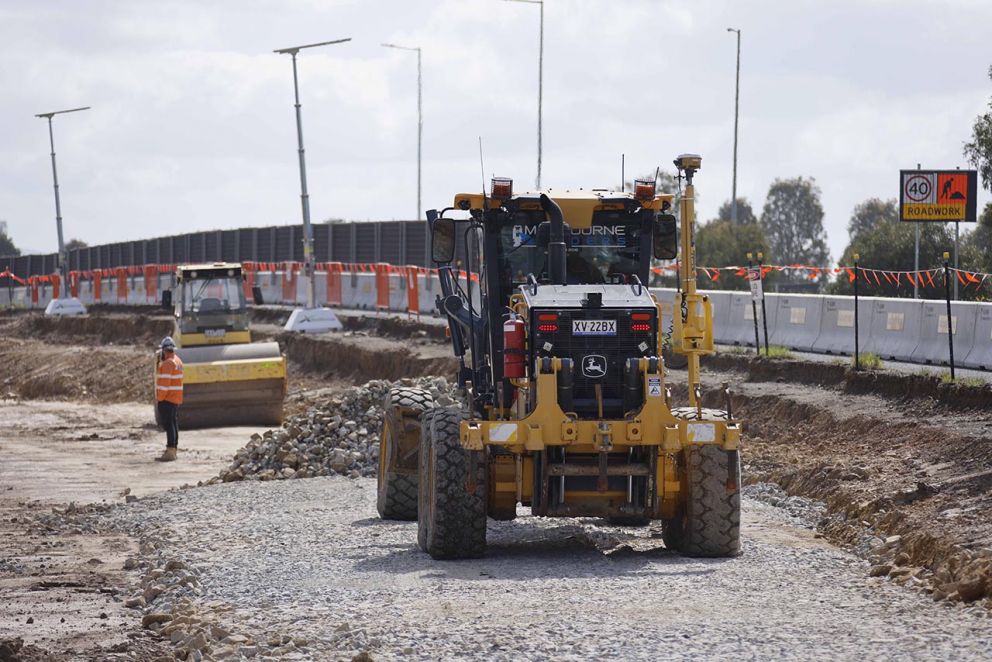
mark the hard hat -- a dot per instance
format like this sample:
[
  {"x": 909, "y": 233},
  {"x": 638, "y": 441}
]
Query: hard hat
[{"x": 168, "y": 344}]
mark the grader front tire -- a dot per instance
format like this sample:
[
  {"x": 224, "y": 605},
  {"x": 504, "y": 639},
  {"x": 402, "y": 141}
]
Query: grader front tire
[
  {"x": 451, "y": 511},
  {"x": 396, "y": 496},
  {"x": 710, "y": 523}
]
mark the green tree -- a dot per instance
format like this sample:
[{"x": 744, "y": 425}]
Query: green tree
[
  {"x": 73, "y": 244},
  {"x": 745, "y": 213},
  {"x": 720, "y": 243},
  {"x": 979, "y": 150},
  {"x": 7, "y": 247},
  {"x": 976, "y": 247},
  {"x": 792, "y": 220},
  {"x": 870, "y": 214}
]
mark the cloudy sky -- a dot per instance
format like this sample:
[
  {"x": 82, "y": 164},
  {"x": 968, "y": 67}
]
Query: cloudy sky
[{"x": 192, "y": 123}]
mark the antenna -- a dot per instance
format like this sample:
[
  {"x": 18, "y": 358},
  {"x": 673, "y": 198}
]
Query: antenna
[
  {"x": 623, "y": 178},
  {"x": 482, "y": 167}
]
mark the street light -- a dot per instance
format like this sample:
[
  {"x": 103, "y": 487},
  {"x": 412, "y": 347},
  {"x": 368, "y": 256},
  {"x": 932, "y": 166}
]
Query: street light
[
  {"x": 540, "y": 84},
  {"x": 313, "y": 318},
  {"x": 737, "y": 97},
  {"x": 420, "y": 116},
  {"x": 63, "y": 257}
]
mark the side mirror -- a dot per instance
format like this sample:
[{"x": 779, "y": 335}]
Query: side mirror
[
  {"x": 256, "y": 295},
  {"x": 666, "y": 242},
  {"x": 167, "y": 299},
  {"x": 443, "y": 240}
]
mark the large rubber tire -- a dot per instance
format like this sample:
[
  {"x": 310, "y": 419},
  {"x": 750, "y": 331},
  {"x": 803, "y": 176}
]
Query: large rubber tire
[
  {"x": 451, "y": 519},
  {"x": 396, "y": 496},
  {"x": 709, "y": 524}
]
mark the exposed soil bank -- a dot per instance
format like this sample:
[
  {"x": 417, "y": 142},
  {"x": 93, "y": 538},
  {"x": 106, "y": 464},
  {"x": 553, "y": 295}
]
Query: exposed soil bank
[{"x": 902, "y": 387}]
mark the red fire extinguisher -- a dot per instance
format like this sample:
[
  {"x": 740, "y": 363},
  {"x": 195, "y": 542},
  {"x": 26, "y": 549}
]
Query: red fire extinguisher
[{"x": 514, "y": 342}]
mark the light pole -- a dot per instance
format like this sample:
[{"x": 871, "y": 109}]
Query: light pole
[
  {"x": 63, "y": 258},
  {"x": 737, "y": 98},
  {"x": 308, "y": 254},
  {"x": 420, "y": 117},
  {"x": 540, "y": 84}
]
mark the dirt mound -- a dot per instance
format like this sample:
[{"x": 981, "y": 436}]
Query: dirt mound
[
  {"x": 36, "y": 370},
  {"x": 911, "y": 497},
  {"x": 91, "y": 329}
]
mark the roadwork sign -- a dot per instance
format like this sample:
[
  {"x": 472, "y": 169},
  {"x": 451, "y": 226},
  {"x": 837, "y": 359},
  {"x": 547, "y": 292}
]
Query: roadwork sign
[{"x": 938, "y": 195}]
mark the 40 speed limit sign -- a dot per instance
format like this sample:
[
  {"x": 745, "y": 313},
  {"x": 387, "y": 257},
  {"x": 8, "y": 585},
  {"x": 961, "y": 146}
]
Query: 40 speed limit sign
[{"x": 938, "y": 195}]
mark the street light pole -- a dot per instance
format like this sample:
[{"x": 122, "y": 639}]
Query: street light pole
[
  {"x": 540, "y": 84},
  {"x": 308, "y": 254},
  {"x": 63, "y": 257},
  {"x": 420, "y": 118},
  {"x": 737, "y": 97}
]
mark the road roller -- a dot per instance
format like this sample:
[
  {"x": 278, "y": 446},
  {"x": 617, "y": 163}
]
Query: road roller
[{"x": 228, "y": 379}]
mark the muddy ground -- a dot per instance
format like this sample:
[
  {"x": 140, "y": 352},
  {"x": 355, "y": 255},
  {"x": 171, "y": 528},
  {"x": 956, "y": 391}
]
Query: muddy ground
[{"x": 903, "y": 468}]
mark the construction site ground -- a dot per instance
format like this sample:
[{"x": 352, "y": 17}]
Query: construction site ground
[{"x": 866, "y": 522}]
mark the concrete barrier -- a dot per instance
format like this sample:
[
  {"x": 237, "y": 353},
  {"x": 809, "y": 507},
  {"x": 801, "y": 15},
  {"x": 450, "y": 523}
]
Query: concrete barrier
[
  {"x": 797, "y": 323},
  {"x": 894, "y": 331},
  {"x": 980, "y": 355},
  {"x": 739, "y": 328},
  {"x": 932, "y": 347},
  {"x": 837, "y": 325}
]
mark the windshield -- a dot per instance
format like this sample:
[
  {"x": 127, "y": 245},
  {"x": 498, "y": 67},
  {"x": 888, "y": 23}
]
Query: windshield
[
  {"x": 604, "y": 252},
  {"x": 213, "y": 295}
]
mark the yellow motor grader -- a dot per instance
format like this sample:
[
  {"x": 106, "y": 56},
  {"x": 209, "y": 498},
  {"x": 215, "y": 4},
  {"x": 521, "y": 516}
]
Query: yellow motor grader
[
  {"x": 228, "y": 379},
  {"x": 566, "y": 409}
]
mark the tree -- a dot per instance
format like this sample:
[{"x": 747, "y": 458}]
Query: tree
[
  {"x": 75, "y": 244},
  {"x": 976, "y": 247},
  {"x": 890, "y": 246},
  {"x": 7, "y": 247},
  {"x": 792, "y": 220},
  {"x": 870, "y": 214},
  {"x": 720, "y": 243},
  {"x": 979, "y": 150},
  {"x": 745, "y": 213}
]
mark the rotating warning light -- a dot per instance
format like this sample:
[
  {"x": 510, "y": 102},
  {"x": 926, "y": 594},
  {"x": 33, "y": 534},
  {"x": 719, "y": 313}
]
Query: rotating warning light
[
  {"x": 502, "y": 188},
  {"x": 644, "y": 189}
]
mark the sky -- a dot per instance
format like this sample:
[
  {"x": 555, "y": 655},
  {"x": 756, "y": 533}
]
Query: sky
[{"x": 192, "y": 124}]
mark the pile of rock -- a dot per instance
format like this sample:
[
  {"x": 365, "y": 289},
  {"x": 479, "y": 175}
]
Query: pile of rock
[{"x": 340, "y": 436}]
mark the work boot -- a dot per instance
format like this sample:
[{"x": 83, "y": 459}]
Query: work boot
[{"x": 168, "y": 456}]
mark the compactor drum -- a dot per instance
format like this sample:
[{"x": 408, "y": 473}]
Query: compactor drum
[
  {"x": 228, "y": 379},
  {"x": 566, "y": 409}
]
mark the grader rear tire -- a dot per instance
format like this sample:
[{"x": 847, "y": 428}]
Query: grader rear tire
[
  {"x": 710, "y": 523},
  {"x": 451, "y": 517},
  {"x": 396, "y": 496}
]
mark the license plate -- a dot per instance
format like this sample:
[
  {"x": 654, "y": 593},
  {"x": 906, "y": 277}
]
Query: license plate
[
  {"x": 214, "y": 333},
  {"x": 594, "y": 327}
]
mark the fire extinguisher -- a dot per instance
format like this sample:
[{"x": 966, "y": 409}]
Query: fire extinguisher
[{"x": 514, "y": 342}]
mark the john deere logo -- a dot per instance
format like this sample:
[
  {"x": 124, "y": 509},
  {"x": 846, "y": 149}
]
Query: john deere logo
[{"x": 594, "y": 366}]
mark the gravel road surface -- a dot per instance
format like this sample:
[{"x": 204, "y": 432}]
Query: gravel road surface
[{"x": 308, "y": 561}]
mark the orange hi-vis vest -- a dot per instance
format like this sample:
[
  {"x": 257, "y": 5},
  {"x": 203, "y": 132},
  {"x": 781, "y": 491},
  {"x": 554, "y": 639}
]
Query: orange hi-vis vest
[{"x": 169, "y": 381}]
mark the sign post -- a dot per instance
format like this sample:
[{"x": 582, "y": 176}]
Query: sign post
[
  {"x": 764, "y": 315},
  {"x": 941, "y": 196}
]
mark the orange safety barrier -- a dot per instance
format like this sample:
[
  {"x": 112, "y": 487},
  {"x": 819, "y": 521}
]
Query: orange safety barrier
[
  {"x": 289, "y": 277},
  {"x": 121, "y": 285},
  {"x": 334, "y": 270},
  {"x": 33, "y": 280},
  {"x": 97, "y": 286},
  {"x": 413, "y": 291},
  {"x": 56, "y": 285},
  {"x": 74, "y": 284},
  {"x": 248, "y": 284},
  {"x": 382, "y": 285},
  {"x": 151, "y": 283}
]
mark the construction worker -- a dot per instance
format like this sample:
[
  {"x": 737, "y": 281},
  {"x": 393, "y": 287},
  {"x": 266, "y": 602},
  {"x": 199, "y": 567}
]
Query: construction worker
[{"x": 169, "y": 395}]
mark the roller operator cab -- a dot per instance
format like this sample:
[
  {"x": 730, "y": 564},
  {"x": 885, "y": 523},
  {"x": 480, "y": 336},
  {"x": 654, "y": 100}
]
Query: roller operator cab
[
  {"x": 566, "y": 407},
  {"x": 228, "y": 379}
]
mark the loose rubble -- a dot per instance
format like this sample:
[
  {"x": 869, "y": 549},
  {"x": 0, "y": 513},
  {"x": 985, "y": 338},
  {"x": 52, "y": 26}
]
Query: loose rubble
[{"x": 339, "y": 436}]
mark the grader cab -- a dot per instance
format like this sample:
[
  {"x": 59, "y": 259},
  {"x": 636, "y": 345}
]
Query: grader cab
[{"x": 567, "y": 409}]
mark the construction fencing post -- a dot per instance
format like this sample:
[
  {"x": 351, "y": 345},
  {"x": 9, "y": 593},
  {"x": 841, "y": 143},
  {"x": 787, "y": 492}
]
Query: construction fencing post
[
  {"x": 950, "y": 320},
  {"x": 857, "y": 338},
  {"x": 754, "y": 303},
  {"x": 764, "y": 309}
]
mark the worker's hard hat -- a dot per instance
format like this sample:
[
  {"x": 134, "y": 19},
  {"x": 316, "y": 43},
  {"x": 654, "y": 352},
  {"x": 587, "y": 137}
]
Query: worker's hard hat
[{"x": 168, "y": 344}]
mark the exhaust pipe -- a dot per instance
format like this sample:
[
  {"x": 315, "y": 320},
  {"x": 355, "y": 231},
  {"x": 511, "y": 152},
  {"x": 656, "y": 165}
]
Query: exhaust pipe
[{"x": 556, "y": 245}]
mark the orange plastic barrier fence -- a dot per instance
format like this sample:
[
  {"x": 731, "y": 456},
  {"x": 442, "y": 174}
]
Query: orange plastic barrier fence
[
  {"x": 151, "y": 283},
  {"x": 289, "y": 276},
  {"x": 382, "y": 285},
  {"x": 121, "y": 285},
  {"x": 413, "y": 290},
  {"x": 334, "y": 270}
]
